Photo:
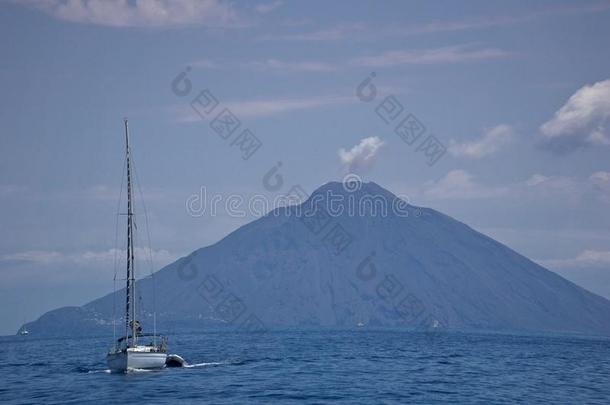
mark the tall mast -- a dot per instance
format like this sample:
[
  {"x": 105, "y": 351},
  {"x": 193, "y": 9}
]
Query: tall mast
[{"x": 130, "y": 309}]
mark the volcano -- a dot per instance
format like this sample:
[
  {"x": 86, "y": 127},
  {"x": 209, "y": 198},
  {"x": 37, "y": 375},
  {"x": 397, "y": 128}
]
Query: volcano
[{"x": 351, "y": 255}]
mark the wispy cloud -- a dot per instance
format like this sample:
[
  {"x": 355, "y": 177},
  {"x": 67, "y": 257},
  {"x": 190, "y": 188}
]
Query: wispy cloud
[
  {"x": 150, "y": 13},
  {"x": 361, "y": 31},
  {"x": 269, "y": 65},
  {"x": 86, "y": 195},
  {"x": 296, "y": 22},
  {"x": 338, "y": 32},
  {"x": 587, "y": 258},
  {"x": 600, "y": 183},
  {"x": 570, "y": 188},
  {"x": 450, "y": 54},
  {"x": 294, "y": 66},
  {"x": 548, "y": 183},
  {"x": 11, "y": 190},
  {"x": 46, "y": 257},
  {"x": 495, "y": 20},
  {"x": 460, "y": 185},
  {"x": 582, "y": 121},
  {"x": 264, "y": 8},
  {"x": 492, "y": 140},
  {"x": 362, "y": 155},
  {"x": 265, "y": 107},
  {"x": 428, "y": 56},
  {"x": 205, "y": 64}
]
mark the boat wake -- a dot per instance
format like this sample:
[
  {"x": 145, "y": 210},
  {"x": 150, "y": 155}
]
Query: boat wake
[
  {"x": 203, "y": 364},
  {"x": 92, "y": 371},
  {"x": 142, "y": 370}
]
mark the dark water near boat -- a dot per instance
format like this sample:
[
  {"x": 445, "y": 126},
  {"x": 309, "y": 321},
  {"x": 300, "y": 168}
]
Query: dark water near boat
[{"x": 360, "y": 366}]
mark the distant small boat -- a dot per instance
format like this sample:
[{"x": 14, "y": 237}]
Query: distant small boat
[
  {"x": 128, "y": 352},
  {"x": 360, "y": 324},
  {"x": 24, "y": 332}
]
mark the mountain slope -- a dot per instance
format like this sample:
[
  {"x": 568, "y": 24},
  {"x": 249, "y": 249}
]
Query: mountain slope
[{"x": 310, "y": 264}]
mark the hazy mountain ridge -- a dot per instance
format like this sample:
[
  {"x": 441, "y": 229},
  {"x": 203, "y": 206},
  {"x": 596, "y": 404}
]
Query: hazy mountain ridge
[{"x": 422, "y": 269}]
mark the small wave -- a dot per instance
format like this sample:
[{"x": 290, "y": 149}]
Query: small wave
[
  {"x": 99, "y": 371},
  {"x": 203, "y": 364},
  {"x": 241, "y": 362},
  {"x": 141, "y": 370},
  {"x": 7, "y": 365},
  {"x": 86, "y": 370}
]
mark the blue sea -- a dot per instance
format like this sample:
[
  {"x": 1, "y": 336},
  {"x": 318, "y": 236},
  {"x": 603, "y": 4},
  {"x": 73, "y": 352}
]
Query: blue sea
[{"x": 323, "y": 366}]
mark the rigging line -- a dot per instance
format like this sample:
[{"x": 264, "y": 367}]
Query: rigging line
[
  {"x": 136, "y": 240},
  {"x": 152, "y": 274},
  {"x": 118, "y": 214},
  {"x": 137, "y": 182},
  {"x": 116, "y": 248}
]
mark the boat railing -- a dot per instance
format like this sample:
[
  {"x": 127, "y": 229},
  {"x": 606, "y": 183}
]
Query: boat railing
[
  {"x": 159, "y": 342},
  {"x": 139, "y": 335}
]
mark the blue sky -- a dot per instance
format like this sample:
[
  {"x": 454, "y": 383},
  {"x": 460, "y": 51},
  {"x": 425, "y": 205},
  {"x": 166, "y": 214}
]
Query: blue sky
[{"x": 518, "y": 92}]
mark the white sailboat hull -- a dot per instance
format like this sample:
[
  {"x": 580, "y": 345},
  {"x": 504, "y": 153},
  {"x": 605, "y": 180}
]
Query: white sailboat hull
[{"x": 135, "y": 359}]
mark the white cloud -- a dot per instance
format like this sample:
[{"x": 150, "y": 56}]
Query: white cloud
[
  {"x": 574, "y": 189},
  {"x": 362, "y": 155},
  {"x": 489, "y": 143},
  {"x": 45, "y": 257},
  {"x": 600, "y": 182},
  {"x": 141, "y": 13},
  {"x": 587, "y": 258},
  {"x": 300, "y": 66},
  {"x": 34, "y": 256},
  {"x": 582, "y": 120},
  {"x": 265, "y": 8},
  {"x": 536, "y": 179},
  {"x": 450, "y": 54},
  {"x": 549, "y": 183},
  {"x": 262, "y": 107},
  {"x": 600, "y": 177},
  {"x": 570, "y": 190},
  {"x": 460, "y": 185}
]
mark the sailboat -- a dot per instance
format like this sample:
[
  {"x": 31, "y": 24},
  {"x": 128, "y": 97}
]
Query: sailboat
[
  {"x": 23, "y": 331},
  {"x": 135, "y": 350}
]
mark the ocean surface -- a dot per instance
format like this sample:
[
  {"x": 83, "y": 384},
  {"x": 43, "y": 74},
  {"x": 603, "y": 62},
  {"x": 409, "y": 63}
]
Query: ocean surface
[{"x": 350, "y": 366}]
